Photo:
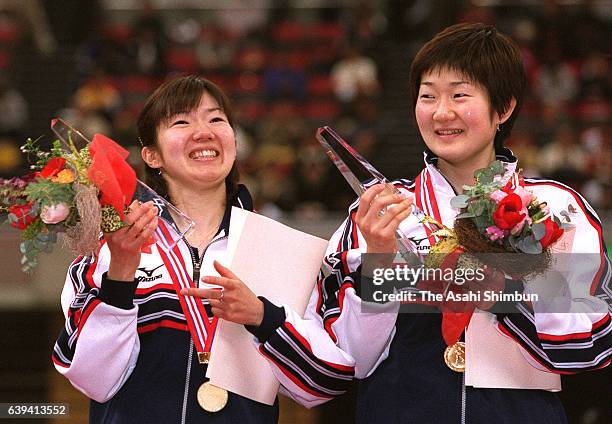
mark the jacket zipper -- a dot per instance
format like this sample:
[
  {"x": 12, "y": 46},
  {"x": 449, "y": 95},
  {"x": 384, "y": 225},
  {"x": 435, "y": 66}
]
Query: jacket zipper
[
  {"x": 187, "y": 378},
  {"x": 197, "y": 265},
  {"x": 463, "y": 398}
]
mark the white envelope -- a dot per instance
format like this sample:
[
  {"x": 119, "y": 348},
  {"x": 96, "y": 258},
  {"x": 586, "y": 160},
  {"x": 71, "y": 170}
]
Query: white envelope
[
  {"x": 493, "y": 360},
  {"x": 279, "y": 263}
]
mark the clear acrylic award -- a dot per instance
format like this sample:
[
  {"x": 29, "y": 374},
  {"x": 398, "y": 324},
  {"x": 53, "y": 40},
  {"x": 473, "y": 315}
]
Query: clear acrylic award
[{"x": 360, "y": 174}]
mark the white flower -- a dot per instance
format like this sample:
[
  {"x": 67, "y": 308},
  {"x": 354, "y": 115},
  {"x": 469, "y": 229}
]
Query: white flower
[{"x": 55, "y": 213}]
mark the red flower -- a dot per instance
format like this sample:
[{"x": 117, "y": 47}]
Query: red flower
[
  {"x": 52, "y": 168},
  {"x": 22, "y": 212},
  {"x": 508, "y": 212},
  {"x": 553, "y": 232}
]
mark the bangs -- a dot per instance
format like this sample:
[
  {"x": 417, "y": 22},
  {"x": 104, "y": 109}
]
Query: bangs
[{"x": 182, "y": 96}]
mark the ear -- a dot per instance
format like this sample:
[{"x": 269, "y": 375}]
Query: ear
[
  {"x": 504, "y": 117},
  {"x": 151, "y": 157}
]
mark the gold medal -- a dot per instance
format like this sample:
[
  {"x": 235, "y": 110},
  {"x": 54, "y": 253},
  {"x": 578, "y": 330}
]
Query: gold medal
[
  {"x": 454, "y": 356},
  {"x": 212, "y": 398},
  {"x": 203, "y": 357}
]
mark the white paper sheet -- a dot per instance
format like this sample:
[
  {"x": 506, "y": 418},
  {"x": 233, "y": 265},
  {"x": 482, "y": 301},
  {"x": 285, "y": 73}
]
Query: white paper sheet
[
  {"x": 494, "y": 360},
  {"x": 279, "y": 263}
]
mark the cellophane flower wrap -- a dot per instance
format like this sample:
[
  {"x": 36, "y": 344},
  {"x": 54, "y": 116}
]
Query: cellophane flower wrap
[
  {"x": 501, "y": 224},
  {"x": 70, "y": 191}
]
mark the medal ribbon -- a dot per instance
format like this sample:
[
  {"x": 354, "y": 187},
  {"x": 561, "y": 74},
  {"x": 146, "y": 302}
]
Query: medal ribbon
[
  {"x": 202, "y": 328},
  {"x": 453, "y": 323}
]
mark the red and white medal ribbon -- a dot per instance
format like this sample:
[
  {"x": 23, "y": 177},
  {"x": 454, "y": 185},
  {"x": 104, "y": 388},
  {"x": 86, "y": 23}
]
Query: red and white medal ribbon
[{"x": 201, "y": 327}]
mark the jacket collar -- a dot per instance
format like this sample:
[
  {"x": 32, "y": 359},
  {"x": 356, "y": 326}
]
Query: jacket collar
[
  {"x": 504, "y": 155},
  {"x": 242, "y": 199}
]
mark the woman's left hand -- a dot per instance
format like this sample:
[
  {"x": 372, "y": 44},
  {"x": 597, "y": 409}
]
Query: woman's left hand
[{"x": 234, "y": 301}]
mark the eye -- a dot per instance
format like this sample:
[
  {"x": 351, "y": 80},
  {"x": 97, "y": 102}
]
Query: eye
[
  {"x": 178, "y": 122},
  {"x": 218, "y": 119},
  {"x": 458, "y": 95},
  {"x": 426, "y": 96}
]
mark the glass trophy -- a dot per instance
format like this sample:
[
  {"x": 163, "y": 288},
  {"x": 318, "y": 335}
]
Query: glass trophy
[
  {"x": 360, "y": 174},
  {"x": 173, "y": 224}
]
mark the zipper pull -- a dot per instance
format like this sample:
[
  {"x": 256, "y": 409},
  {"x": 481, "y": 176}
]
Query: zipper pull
[{"x": 196, "y": 274}]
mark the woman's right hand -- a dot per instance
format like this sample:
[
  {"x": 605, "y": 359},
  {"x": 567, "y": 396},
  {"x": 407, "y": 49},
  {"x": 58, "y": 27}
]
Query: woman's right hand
[
  {"x": 378, "y": 228},
  {"x": 125, "y": 244}
]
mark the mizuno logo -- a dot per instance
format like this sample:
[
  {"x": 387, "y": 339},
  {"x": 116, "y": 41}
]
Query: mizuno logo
[
  {"x": 418, "y": 242},
  {"x": 149, "y": 274}
]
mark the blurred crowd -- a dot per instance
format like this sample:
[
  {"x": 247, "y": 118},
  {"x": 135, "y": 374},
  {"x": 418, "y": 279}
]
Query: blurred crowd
[{"x": 289, "y": 70}]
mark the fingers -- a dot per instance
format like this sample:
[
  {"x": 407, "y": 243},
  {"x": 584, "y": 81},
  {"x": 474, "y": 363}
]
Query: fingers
[
  {"x": 377, "y": 202},
  {"x": 395, "y": 214},
  {"x": 224, "y": 271},
  {"x": 367, "y": 198},
  {"x": 214, "y": 297},
  {"x": 209, "y": 294},
  {"x": 141, "y": 217}
]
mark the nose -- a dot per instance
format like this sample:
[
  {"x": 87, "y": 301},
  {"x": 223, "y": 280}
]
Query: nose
[
  {"x": 203, "y": 131},
  {"x": 443, "y": 111}
]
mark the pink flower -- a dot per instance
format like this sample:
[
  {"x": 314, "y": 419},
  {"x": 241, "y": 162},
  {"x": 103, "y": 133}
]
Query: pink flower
[
  {"x": 525, "y": 195},
  {"x": 518, "y": 227},
  {"x": 497, "y": 195},
  {"x": 495, "y": 233},
  {"x": 55, "y": 213}
]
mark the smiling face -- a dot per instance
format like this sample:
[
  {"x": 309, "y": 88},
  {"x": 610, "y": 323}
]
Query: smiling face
[
  {"x": 456, "y": 119},
  {"x": 196, "y": 148}
]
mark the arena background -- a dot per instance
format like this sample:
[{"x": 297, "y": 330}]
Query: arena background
[{"x": 289, "y": 67}]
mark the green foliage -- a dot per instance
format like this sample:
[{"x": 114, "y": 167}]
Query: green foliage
[
  {"x": 32, "y": 230},
  {"x": 460, "y": 201},
  {"x": 46, "y": 192}
]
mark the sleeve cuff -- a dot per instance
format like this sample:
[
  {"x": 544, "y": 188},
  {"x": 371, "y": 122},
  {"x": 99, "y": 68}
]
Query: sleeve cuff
[
  {"x": 274, "y": 317},
  {"x": 118, "y": 293}
]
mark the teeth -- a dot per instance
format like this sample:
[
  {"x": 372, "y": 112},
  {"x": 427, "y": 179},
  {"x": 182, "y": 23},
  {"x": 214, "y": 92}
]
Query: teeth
[
  {"x": 449, "y": 132},
  {"x": 204, "y": 154}
]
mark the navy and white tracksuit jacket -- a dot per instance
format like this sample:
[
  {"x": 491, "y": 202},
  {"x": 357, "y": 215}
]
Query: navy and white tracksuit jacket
[
  {"x": 399, "y": 357},
  {"x": 127, "y": 346}
]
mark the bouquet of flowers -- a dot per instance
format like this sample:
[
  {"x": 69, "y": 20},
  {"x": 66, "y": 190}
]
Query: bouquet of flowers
[
  {"x": 79, "y": 189},
  {"x": 504, "y": 219},
  {"x": 73, "y": 191}
]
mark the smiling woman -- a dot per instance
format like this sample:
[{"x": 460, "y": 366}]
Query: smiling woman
[
  {"x": 141, "y": 319},
  {"x": 467, "y": 87},
  {"x": 186, "y": 107}
]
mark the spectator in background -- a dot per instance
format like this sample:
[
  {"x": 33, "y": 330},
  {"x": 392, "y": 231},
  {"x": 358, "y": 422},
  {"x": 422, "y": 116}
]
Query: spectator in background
[
  {"x": 275, "y": 192},
  {"x": 282, "y": 126},
  {"x": 564, "y": 159},
  {"x": 354, "y": 75},
  {"x": 282, "y": 79},
  {"x": 364, "y": 24},
  {"x": 313, "y": 192},
  {"x": 98, "y": 95},
  {"x": 13, "y": 109},
  {"x": 148, "y": 46},
  {"x": 475, "y": 11},
  {"x": 523, "y": 146},
  {"x": 555, "y": 82},
  {"x": 244, "y": 16},
  {"x": 13, "y": 116},
  {"x": 213, "y": 49},
  {"x": 598, "y": 148},
  {"x": 594, "y": 93}
]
